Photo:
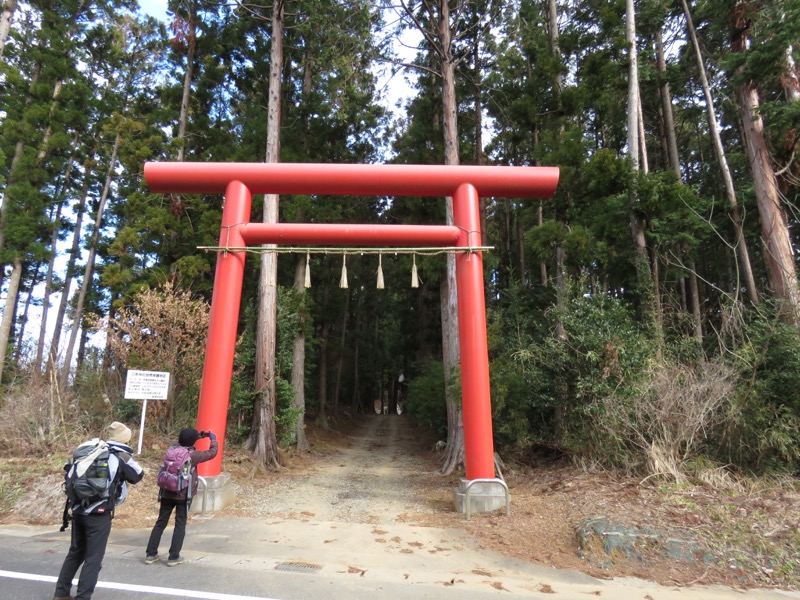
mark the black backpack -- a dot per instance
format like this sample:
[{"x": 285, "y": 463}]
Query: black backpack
[{"x": 88, "y": 479}]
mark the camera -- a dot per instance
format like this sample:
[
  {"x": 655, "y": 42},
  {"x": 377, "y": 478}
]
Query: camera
[{"x": 205, "y": 434}]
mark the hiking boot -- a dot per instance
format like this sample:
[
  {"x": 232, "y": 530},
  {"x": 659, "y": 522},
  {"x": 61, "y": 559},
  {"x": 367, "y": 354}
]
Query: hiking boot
[
  {"x": 174, "y": 562},
  {"x": 149, "y": 560},
  {"x": 63, "y": 598}
]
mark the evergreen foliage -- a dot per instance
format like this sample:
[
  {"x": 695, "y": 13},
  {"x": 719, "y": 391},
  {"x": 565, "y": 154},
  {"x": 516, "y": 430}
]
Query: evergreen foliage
[{"x": 92, "y": 90}]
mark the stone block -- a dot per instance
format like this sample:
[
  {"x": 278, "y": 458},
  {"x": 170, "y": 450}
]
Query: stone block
[
  {"x": 484, "y": 496},
  {"x": 213, "y": 494}
]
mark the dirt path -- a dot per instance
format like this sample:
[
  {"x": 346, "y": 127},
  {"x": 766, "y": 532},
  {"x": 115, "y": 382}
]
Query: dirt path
[
  {"x": 383, "y": 471},
  {"x": 378, "y": 472}
]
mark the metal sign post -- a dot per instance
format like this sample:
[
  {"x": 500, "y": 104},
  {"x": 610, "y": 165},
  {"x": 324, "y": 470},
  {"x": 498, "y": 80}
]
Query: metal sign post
[{"x": 146, "y": 385}]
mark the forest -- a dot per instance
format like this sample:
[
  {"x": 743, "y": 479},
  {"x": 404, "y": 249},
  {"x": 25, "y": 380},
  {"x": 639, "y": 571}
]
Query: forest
[{"x": 645, "y": 318}]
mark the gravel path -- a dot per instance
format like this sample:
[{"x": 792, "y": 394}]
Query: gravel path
[{"x": 380, "y": 474}]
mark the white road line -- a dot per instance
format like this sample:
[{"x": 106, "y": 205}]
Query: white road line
[{"x": 144, "y": 589}]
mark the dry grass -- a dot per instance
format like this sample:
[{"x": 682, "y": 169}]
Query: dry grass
[
  {"x": 749, "y": 528},
  {"x": 670, "y": 414}
]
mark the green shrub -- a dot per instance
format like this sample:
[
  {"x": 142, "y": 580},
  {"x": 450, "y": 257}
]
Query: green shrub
[
  {"x": 602, "y": 351},
  {"x": 286, "y": 414},
  {"x": 426, "y": 401},
  {"x": 127, "y": 410},
  {"x": 766, "y": 437}
]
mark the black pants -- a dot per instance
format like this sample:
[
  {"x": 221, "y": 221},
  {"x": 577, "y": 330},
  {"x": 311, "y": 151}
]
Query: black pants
[
  {"x": 88, "y": 547},
  {"x": 181, "y": 513}
]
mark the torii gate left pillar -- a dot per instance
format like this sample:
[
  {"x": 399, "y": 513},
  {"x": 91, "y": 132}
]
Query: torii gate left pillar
[{"x": 238, "y": 181}]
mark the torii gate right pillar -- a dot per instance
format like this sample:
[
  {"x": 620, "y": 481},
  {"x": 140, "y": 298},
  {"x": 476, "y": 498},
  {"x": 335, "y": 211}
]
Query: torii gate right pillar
[
  {"x": 475, "y": 396},
  {"x": 480, "y": 490}
]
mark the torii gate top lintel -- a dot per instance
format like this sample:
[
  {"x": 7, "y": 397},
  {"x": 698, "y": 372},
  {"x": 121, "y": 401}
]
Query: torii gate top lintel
[
  {"x": 352, "y": 179},
  {"x": 238, "y": 181}
]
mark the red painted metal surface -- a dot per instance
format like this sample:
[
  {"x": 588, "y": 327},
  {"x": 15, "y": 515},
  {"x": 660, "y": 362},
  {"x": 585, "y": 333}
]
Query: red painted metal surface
[
  {"x": 357, "y": 180},
  {"x": 240, "y": 180},
  {"x": 340, "y": 235},
  {"x": 475, "y": 397},
  {"x": 215, "y": 389}
]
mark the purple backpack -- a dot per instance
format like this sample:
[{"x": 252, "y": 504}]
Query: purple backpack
[{"x": 176, "y": 472}]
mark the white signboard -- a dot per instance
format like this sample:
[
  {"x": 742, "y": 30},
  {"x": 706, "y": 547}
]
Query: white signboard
[{"x": 147, "y": 385}]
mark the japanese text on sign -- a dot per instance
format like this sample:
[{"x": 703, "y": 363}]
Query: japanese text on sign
[{"x": 147, "y": 385}]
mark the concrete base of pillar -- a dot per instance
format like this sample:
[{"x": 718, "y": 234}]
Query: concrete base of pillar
[
  {"x": 481, "y": 496},
  {"x": 213, "y": 494}
]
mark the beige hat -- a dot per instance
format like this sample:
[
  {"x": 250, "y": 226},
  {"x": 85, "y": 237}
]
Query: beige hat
[{"x": 119, "y": 432}]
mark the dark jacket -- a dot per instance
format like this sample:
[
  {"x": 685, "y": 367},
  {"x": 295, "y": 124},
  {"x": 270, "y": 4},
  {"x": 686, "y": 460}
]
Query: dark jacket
[{"x": 197, "y": 456}]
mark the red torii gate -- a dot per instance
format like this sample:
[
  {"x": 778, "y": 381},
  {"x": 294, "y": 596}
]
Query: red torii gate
[{"x": 238, "y": 181}]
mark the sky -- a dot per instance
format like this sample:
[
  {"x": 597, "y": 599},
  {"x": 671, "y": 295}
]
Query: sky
[{"x": 155, "y": 8}]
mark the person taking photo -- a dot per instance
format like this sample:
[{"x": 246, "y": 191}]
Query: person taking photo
[{"x": 179, "y": 501}]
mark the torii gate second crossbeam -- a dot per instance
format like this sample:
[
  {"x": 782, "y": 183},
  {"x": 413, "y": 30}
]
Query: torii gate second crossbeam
[{"x": 238, "y": 181}]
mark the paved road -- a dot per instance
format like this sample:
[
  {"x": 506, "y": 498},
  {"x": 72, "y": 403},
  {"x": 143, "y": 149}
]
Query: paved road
[{"x": 237, "y": 558}]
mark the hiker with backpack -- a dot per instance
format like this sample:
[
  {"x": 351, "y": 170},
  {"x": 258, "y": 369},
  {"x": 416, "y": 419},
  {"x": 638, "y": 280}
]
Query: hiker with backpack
[
  {"x": 96, "y": 481},
  {"x": 177, "y": 483}
]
